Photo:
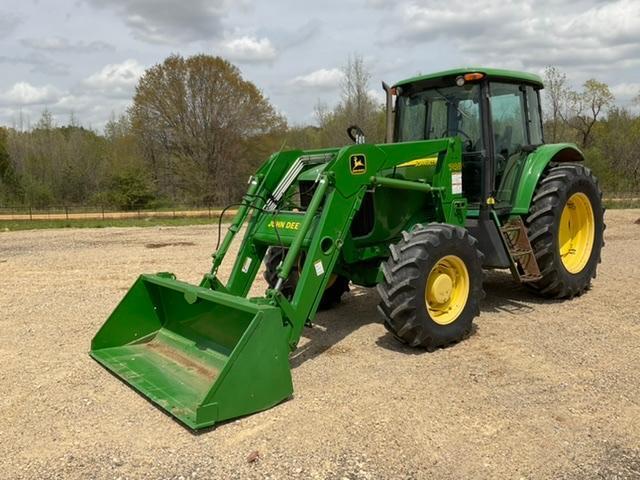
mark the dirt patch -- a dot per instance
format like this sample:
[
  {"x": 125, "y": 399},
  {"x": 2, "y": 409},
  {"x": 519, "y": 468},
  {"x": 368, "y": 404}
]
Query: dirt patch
[
  {"x": 615, "y": 462},
  {"x": 541, "y": 390},
  {"x": 169, "y": 244},
  {"x": 180, "y": 358},
  {"x": 337, "y": 350}
]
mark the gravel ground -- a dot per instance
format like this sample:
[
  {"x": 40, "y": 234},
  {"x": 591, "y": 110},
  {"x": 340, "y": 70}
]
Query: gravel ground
[{"x": 542, "y": 389}]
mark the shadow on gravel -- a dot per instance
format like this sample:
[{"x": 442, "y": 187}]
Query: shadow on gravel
[
  {"x": 357, "y": 309},
  {"x": 503, "y": 295},
  {"x": 614, "y": 462}
]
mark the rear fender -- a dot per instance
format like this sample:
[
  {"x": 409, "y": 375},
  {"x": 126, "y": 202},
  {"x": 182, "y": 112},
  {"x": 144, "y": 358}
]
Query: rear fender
[{"x": 535, "y": 165}]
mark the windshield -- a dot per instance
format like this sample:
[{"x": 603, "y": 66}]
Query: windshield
[{"x": 439, "y": 113}]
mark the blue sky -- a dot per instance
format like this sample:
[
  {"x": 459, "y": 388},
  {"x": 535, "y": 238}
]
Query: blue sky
[{"x": 85, "y": 56}]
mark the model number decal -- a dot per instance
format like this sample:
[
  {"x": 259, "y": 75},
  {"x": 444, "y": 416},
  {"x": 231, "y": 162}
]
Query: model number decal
[{"x": 421, "y": 162}]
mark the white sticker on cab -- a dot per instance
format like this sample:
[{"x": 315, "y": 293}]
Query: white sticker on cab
[{"x": 456, "y": 183}]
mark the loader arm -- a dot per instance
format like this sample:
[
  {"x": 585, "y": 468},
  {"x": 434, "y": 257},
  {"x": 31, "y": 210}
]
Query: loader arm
[
  {"x": 324, "y": 227},
  {"x": 207, "y": 353}
]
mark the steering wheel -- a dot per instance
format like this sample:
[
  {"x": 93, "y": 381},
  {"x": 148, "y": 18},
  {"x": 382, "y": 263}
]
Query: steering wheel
[
  {"x": 468, "y": 140},
  {"x": 356, "y": 134},
  {"x": 455, "y": 131}
]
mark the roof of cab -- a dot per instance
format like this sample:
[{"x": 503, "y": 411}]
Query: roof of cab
[{"x": 489, "y": 72}]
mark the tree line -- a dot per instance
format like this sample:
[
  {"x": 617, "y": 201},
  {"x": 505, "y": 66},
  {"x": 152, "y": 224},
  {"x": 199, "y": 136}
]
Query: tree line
[
  {"x": 196, "y": 130},
  {"x": 607, "y": 133}
]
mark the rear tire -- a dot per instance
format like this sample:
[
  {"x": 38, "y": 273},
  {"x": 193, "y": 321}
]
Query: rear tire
[
  {"x": 565, "y": 221},
  {"x": 432, "y": 286},
  {"x": 332, "y": 295}
]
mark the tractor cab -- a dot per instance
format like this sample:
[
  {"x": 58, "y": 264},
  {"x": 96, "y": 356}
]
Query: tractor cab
[{"x": 495, "y": 113}]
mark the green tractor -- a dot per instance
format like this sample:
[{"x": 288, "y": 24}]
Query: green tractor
[{"x": 463, "y": 183}]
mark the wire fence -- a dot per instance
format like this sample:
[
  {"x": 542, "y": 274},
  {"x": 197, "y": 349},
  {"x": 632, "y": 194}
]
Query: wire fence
[
  {"x": 103, "y": 212},
  {"x": 97, "y": 212}
]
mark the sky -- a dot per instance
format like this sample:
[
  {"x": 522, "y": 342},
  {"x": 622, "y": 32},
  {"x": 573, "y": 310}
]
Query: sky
[{"x": 83, "y": 58}]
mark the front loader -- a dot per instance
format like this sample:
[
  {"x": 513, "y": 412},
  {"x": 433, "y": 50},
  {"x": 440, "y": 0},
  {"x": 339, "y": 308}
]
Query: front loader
[{"x": 464, "y": 183}]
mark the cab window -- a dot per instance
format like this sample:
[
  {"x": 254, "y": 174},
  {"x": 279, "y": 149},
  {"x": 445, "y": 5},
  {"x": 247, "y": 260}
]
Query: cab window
[
  {"x": 508, "y": 119},
  {"x": 535, "y": 122},
  {"x": 439, "y": 113}
]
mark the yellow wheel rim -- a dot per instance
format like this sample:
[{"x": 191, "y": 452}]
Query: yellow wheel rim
[
  {"x": 447, "y": 290},
  {"x": 576, "y": 233}
]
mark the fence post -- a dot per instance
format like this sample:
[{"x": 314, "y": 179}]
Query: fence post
[
  {"x": 209, "y": 207},
  {"x": 102, "y": 212},
  {"x": 66, "y": 212},
  {"x": 30, "y": 213}
]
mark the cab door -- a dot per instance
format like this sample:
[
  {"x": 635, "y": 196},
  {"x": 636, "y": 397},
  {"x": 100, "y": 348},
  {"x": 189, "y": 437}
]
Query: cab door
[{"x": 516, "y": 127}]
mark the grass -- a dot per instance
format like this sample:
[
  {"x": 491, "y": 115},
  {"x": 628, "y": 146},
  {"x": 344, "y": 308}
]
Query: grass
[
  {"x": 124, "y": 222},
  {"x": 621, "y": 203},
  {"x": 12, "y": 225}
]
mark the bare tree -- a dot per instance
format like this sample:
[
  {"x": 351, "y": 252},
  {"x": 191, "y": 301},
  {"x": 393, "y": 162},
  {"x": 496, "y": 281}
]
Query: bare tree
[
  {"x": 356, "y": 101},
  {"x": 556, "y": 92},
  {"x": 356, "y": 107}
]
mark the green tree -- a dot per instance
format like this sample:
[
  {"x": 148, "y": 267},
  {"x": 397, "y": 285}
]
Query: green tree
[
  {"x": 194, "y": 119},
  {"x": 617, "y": 142},
  {"x": 585, "y": 107},
  {"x": 130, "y": 190},
  {"x": 9, "y": 182}
]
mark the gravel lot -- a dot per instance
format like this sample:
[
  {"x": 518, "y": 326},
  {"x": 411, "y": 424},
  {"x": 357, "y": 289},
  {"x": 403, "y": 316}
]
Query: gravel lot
[{"x": 541, "y": 390}]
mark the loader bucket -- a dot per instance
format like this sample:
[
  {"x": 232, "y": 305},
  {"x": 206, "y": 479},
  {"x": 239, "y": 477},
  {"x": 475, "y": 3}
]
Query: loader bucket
[{"x": 203, "y": 356}]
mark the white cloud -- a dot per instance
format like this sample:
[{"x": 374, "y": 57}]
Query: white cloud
[
  {"x": 530, "y": 33},
  {"x": 278, "y": 46},
  {"x": 323, "y": 79},
  {"x": 377, "y": 95},
  {"x": 37, "y": 62},
  {"x": 168, "y": 21},
  {"x": 626, "y": 89},
  {"x": 249, "y": 50},
  {"x": 60, "y": 44},
  {"x": 23, "y": 93},
  {"x": 626, "y": 94},
  {"x": 8, "y": 23},
  {"x": 379, "y": 3},
  {"x": 116, "y": 80}
]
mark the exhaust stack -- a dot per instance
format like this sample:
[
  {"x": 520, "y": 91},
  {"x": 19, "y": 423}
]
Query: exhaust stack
[{"x": 389, "y": 111}]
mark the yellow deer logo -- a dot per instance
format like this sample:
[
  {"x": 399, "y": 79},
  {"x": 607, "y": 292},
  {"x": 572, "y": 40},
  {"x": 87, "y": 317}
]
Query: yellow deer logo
[{"x": 358, "y": 164}]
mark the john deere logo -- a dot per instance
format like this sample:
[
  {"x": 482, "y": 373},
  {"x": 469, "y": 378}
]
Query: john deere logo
[{"x": 358, "y": 164}]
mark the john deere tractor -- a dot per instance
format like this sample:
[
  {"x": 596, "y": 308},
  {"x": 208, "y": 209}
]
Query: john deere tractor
[{"x": 463, "y": 183}]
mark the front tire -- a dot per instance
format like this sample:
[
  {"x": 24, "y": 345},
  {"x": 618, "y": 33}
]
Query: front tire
[
  {"x": 566, "y": 226},
  {"x": 335, "y": 289},
  {"x": 432, "y": 286}
]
